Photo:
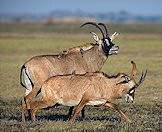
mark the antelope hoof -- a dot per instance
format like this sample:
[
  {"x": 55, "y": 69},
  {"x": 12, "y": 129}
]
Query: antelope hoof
[{"x": 71, "y": 120}]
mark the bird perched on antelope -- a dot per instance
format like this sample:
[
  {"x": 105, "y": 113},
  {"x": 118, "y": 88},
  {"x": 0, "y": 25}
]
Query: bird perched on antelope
[
  {"x": 79, "y": 60},
  {"x": 87, "y": 89}
]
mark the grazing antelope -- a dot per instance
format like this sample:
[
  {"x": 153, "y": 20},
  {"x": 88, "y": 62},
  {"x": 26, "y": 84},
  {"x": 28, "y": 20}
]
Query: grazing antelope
[
  {"x": 87, "y": 89},
  {"x": 78, "y": 60}
]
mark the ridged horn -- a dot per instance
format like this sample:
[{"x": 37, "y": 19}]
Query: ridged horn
[
  {"x": 94, "y": 24},
  {"x": 142, "y": 78},
  {"x": 106, "y": 31}
]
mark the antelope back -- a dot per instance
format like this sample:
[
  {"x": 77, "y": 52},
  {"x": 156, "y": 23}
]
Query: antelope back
[{"x": 77, "y": 61}]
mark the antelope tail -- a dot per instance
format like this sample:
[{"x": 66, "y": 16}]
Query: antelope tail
[{"x": 25, "y": 79}]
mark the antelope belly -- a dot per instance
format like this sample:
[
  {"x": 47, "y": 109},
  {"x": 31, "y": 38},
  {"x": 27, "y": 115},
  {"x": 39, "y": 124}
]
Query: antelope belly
[
  {"x": 96, "y": 102},
  {"x": 69, "y": 103}
]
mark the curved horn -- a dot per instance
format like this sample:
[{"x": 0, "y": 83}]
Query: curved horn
[
  {"x": 134, "y": 70},
  {"x": 142, "y": 78},
  {"x": 139, "y": 82},
  {"x": 94, "y": 24},
  {"x": 106, "y": 32}
]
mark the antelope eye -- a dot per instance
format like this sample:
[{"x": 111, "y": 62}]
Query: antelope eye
[{"x": 126, "y": 79}]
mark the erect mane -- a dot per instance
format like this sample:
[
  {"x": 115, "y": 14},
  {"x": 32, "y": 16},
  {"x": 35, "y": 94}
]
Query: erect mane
[
  {"x": 78, "y": 49},
  {"x": 74, "y": 74},
  {"x": 112, "y": 76},
  {"x": 88, "y": 74},
  {"x": 85, "y": 47}
]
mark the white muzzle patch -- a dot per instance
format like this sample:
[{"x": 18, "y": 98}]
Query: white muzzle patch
[{"x": 129, "y": 98}]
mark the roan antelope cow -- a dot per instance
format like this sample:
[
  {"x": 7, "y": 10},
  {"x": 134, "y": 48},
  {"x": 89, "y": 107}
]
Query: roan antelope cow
[
  {"x": 87, "y": 89},
  {"x": 78, "y": 60}
]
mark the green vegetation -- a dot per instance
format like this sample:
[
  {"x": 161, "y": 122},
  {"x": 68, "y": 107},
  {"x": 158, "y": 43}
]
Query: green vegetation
[
  {"x": 20, "y": 42},
  {"x": 28, "y": 28}
]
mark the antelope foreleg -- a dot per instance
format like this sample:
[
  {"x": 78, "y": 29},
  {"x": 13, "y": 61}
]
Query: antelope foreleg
[
  {"x": 71, "y": 112},
  {"x": 78, "y": 108},
  {"x": 116, "y": 108},
  {"x": 83, "y": 112}
]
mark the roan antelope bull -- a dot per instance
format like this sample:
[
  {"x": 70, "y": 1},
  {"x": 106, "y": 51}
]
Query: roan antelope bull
[
  {"x": 87, "y": 89},
  {"x": 78, "y": 60}
]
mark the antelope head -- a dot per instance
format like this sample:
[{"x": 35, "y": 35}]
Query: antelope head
[
  {"x": 108, "y": 46},
  {"x": 129, "y": 83}
]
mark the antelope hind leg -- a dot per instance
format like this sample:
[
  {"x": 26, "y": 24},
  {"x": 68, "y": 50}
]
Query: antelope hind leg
[
  {"x": 70, "y": 112},
  {"x": 27, "y": 99},
  {"x": 22, "y": 107},
  {"x": 115, "y": 107},
  {"x": 30, "y": 96},
  {"x": 24, "y": 110}
]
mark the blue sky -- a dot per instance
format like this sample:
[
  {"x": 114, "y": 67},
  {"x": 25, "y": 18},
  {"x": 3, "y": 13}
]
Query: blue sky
[{"x": 144, "y": 7}]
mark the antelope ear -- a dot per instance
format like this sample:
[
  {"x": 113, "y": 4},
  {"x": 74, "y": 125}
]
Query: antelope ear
[
  {"x": 120, "y": 80},
  {"x": 113, "y": 36},
  {"x": 134, "y": 70},
  {"x": 95, "y": 37}
]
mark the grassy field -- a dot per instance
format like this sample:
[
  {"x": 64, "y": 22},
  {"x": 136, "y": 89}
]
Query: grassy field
[{"x": 141, "y": 43}]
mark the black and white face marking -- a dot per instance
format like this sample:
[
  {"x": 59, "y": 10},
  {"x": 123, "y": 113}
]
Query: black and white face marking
[
  {"x": 126, "y": 80},
  {"x": 130, "y": 96},
  {"x": 109, "y": 48}
]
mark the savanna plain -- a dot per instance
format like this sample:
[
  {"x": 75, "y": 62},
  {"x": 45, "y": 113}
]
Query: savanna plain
[{"x": 141, "y": 43}]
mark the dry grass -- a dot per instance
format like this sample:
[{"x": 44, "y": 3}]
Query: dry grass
[{"x": 145, "y": 112}]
